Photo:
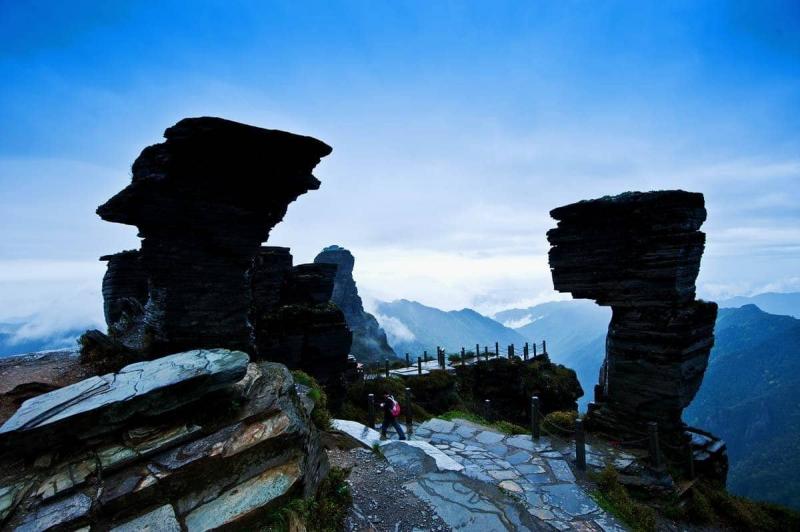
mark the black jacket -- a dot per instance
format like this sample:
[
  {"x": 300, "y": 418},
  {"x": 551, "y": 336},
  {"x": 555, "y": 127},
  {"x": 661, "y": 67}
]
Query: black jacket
[{"x": 387, "y": 409}]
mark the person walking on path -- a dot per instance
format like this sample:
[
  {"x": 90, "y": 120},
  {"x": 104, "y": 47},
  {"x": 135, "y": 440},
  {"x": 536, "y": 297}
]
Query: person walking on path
[{"x": 391, "y": 409}]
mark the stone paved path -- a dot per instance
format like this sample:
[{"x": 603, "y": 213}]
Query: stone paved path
[{"x": 538, "y": 474}]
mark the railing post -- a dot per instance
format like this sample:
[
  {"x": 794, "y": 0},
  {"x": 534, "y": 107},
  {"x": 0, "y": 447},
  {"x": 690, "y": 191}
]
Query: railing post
[
  {"x": 580, "y": 445},
  {"x": 544, "y": 347},
  {"x": 477, "y": 353},
  {"x": 419, "y": 365},
  {"x": 425, "y": 356},
  {"x": 534, "y": 349},
  {"x": 409, "y": 420},
  {"x": 371, "y": 411},
  {"x": 497, "y": 349},
  {"x": 525, "y": 351},
  {"x": 386, "y": 366},
  {"x": 487, "y": 406},
  {"x": 408, "y": 361},
  {"x": 655, "y": 449},
  {"x": 535, "y": 422}
]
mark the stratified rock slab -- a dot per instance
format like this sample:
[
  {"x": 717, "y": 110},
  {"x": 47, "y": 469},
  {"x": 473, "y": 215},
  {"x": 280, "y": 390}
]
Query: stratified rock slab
[
  {"x": 161, "y": 519},
  {"x": 100, "y": 404},
  {"x": 245, "y": 498}
]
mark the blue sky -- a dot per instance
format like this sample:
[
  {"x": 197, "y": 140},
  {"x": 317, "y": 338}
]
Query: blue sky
[{"x": 456, "y": 127}]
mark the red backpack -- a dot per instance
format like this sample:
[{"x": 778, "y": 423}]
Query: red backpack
[{"x": 395, "y": 407}]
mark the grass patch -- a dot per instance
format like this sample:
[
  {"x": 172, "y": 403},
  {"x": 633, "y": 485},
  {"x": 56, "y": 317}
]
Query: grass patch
[
  {"x": 320, "y": 415},
  {"x": 712, "y": 504},
  {"x": 705, "y": 504},
  {"x": 376, "y": 448},
  {"x": 500, "y": 426},
  {"x": 562, "y": 422},
  {"x": 323, "y": 513},
  {"x": 615, "y": 499}
]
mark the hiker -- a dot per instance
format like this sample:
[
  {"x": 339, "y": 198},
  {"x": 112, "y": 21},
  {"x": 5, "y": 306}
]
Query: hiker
[{"x": 391, "y": 409}]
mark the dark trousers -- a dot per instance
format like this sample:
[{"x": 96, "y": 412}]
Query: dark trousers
[{"x": 393, "y": 422}]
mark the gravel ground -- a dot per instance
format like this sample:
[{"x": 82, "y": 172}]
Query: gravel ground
[{"x": 380, "y": 502}]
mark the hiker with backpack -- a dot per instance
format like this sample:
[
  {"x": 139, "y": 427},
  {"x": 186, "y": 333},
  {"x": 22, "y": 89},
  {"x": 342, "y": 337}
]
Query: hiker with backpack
[{"x": 391, "y": 409}]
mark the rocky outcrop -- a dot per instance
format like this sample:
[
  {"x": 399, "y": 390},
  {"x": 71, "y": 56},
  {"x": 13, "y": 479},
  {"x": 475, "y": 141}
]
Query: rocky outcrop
[
  {"x": 295, "y": 322},
  {"x": 193, "y": 441},
  {"x": 639, "y": 253},
  {"x": 369, "y": 340},
  {"x": 204, "y": 201}
]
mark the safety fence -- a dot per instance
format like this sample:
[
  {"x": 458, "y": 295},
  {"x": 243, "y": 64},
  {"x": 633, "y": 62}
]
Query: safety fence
[{"x": 449, "y": 361}]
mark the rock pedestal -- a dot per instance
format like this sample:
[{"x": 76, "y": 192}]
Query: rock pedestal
[
  {"x": 369, "y": 340},
  {"x": 204, "y": 201},
  {"x": 639, "y": 253}
]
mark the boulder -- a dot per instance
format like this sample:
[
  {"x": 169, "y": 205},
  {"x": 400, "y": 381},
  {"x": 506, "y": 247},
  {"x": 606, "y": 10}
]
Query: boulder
[{"x": 223, "y": 459}]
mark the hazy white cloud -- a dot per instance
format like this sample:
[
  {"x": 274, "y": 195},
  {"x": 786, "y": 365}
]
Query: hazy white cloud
[
  {"x": 396, "y": 330},
  {"x": 521, "y": 322},
  {"x": 50, "y": 297}
]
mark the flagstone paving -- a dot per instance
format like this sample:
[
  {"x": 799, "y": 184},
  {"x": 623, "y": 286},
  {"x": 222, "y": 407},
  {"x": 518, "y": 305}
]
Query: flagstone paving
[{"x": 537, "y": 473}]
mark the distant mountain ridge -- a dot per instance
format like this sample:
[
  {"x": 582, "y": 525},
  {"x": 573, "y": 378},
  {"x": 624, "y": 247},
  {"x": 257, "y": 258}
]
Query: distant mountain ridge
[
  {"x": 413, "y": 328},
  {"x": 749, "y": 397},
  {"x": 782, "y": 304}
]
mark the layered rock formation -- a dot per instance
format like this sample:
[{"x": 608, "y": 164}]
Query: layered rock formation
[
  {"x": 204, "y": 201},
  {"x": 193, "y": 441},
  {"x": 369, "y": 340},
  {"x": 639, "y": 253}
]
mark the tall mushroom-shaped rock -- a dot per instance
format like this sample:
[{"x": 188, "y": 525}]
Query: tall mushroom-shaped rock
[
  {"x": 204, "y": 201},
  {"x": 639, "y": 253}
]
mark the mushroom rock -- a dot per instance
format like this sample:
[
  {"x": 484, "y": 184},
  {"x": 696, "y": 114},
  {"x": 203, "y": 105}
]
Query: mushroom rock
[
  {"x": 369, "y": 339},
  {"x": 204, "y": 201},
  {"x": 639, "y": 253}
]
